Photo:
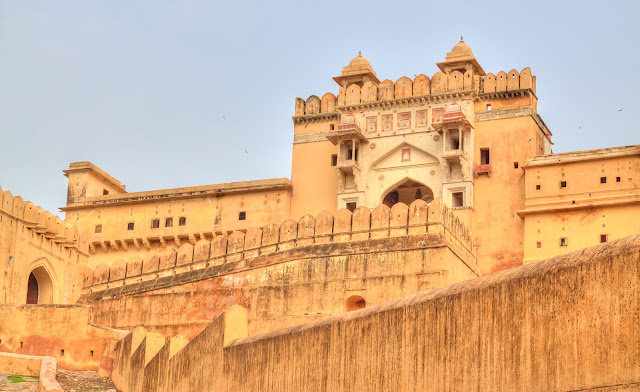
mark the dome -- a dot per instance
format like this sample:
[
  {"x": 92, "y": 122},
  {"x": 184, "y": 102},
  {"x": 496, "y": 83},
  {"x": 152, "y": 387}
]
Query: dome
[
  {"x": 360, "y": 62},
  {"x": 460, "y": 50}
]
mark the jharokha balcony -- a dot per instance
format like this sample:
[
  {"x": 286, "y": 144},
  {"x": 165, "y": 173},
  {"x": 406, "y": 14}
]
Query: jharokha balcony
[{"x": 483, "y": 169}]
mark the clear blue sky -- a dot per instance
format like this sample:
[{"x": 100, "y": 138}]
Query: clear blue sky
[{"x": 164, "y": 94}]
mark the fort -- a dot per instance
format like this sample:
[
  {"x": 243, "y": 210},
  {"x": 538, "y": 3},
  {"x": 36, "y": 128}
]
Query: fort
[{"x": 428, "y": 239}]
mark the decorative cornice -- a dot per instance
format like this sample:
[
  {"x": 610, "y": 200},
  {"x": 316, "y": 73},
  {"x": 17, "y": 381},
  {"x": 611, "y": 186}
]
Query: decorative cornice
[
  {"x": 319, "y": 117},
  {"x": 506, "y": 94},
  {"x": 407, "y": 101}
]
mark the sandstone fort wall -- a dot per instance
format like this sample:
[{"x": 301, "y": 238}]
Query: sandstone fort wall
[{"x": 501, "y": 332}]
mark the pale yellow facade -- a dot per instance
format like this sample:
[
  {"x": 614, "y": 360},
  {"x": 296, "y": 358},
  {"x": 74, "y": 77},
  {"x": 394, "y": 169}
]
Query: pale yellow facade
[{"x": 579, "y": 199}]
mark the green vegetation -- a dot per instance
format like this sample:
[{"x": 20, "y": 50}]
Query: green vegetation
[{"x": 14, "y": 379}]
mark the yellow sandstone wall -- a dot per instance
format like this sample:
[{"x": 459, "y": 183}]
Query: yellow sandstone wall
[
  {"x": 568, "y": 323},
  {"x": 65, "y": 332},
  {"x": 288, "y": 274},
  {"x": 35, "y": 240}
]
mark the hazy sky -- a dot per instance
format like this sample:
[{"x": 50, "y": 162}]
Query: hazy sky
[{"x": 165, "y": 94}]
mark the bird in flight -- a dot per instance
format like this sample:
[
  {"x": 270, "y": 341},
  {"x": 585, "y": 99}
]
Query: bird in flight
[
  {"x": 245, "y": 150},
  {"x": 619, "y": 110}
]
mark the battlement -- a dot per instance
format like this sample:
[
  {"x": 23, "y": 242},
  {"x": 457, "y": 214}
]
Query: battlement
[
  {"x": 42, "y": 222},
  {"x": 420, "y": 87},
  {"x": 343, "y": 227}
]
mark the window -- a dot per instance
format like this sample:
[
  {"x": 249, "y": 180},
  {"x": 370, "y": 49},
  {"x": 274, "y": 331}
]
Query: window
[
  {"x": 515, "y": 165},
  {"x": 351, "y": 206},
  {"x": 484, "y": 156},
  {"x": 563, "y": 184},
  {"x": 168, "y": 222},
  {"x": 539, "y": 244},
  {"x": 332, "y": 127},
  {"x": 604, "y": 238},
  {"x": 98, "y": 229},
  {"x": 242, "y": 215},
  {"x": 105, "y": 192},
  {"x": 182, "y": 221},
  {"x": 488, "y": 106},
  {"x": 563, "y": 241},
  {"x": 130, "y": 226},
  {"x": 538, "y": 187},
  {"x": 155, "y": 223},
  {"x": 603, "y": 180},
  {"x": 618, "y": 179},
  {"x": 62, "y": 353},
  {"x": 457, "y": 199},
  {"x": 455, "y": 142},
  {"x": 334, "y": 160}
]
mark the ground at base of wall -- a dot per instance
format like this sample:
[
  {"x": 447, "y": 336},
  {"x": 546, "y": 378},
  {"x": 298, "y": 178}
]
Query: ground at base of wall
[
  {"x": 70, "y": 381},
  {"x": 10, "y": 383},
  {"x": 77, "y": 381}
]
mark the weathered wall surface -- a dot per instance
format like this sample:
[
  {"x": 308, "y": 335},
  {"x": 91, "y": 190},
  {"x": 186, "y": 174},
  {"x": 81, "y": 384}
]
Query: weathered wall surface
[
  {"x": 569, "y": 323},
  {"x": 35, "y": 240},
  {"x": 65, "y": 332},
  {"x": 307, "y": 272}
]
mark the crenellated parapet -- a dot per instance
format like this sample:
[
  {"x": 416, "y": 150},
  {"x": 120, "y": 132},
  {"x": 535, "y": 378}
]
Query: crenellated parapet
[
  {"x": 441, "y": 86},
  {"x": 344, "y": 226},
  {"x": 42, "y": 222}
]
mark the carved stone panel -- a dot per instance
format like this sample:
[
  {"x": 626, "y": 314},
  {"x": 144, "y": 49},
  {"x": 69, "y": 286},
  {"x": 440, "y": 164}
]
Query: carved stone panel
[
  {"x": 387, "y": 122},
  {"x": 404, "y": 120},
  {"x": 372, "y": 124},
  {"x": 421, "y": 118},
  {"x": 436, "y": 115}
]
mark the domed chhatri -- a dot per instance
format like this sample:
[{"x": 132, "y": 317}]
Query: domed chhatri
[
  {"x": 460, "y": 59},
  {"x": 358, "y": 71}
]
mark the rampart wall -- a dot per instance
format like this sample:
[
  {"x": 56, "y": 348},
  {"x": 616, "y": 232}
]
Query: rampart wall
[
  {"x": 420, "y": 86},
  {"x": 65, "y": 332},
  {"x": 32, "y": 238},
  {"x": 569, "y": 323},
  {"x": 286, "y": 274}
]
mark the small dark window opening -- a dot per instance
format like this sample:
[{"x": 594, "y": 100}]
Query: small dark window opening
[
  {"x": 62, "y": 353},
  {"x": 563, "y": 184},
  {"x": 618, "y": 179},
  {"x": 515, "y": 165},
  {"x": 484, "y": 156},
  {"x": 488, "y": 106},
  {"x": 155, "y": 223},
  {"x": 334, "y": 160},
  {"x": 105, "y": 192},
  {"x": 130, "y": 225},
  {"x": 563, "y": 241},
  {"x": 538, "y": 187},
  {"x": 455, "y": 142},
  {"x": 332, "y": 127},
  {"x": 351, "y": 206},
  {"x": 242, "y": 215},
  {"x": 98, "y": 229},
  {"x": 538, "y": 244},
  {"x": 168, "y": 222},
  {"x": 21, "y": 344},
  {"x": 91, "y": 353},
  {"x": 603, "y": 180},
  {"x": 604, "y": 238},
  {"x": 457, "y": 199},
  {"x": 182, "y": 221},
  {"x": 349, "y": 154}
]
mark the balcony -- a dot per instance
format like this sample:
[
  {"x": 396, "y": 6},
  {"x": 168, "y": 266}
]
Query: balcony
[
  {"x": 348, "y": 166},
  {"x": 454, "y": 155},
  {"x": 483, "y": 169}
]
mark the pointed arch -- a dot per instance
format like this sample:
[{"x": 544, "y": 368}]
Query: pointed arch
[
  {"x": 406, "y": 191},
  {"x": 43, "y": 278}
]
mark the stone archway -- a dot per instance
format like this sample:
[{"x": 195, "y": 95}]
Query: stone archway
[
  {"x": 39, "y": 287},
  {"x": 354, "y": 302},
  {"x": 406, "y": 192}
]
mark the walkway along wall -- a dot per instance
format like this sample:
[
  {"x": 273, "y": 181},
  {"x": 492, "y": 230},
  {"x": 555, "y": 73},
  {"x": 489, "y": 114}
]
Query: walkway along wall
[
  {"x": 569, "y": 323},
  {"x": 288, "y": 274}
]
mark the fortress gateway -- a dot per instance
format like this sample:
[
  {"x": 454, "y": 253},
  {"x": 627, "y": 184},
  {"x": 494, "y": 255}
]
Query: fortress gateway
[{"x": 408, "y": 191}]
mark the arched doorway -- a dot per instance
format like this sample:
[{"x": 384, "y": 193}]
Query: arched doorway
[
  {"x": 39, "y": 287},
  {"x": 407, "y": 192},
  {"x": 354, "y": 302}
]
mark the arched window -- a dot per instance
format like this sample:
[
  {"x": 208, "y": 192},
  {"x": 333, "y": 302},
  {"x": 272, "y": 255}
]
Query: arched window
[
  {"x": 39, "y": 287},
  {"x": 155, "y": 223},
  {"x": 354, "y": 302},
  {"x": 168, "y": 222},
  {"x": 32, "y": 290},
  {"x": 182, "y": 221}
]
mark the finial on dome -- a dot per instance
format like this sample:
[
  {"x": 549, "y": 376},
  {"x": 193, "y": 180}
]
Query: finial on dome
[
  {"x": 359, "y": 53},
  {"x": 461, "y": 40}
]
